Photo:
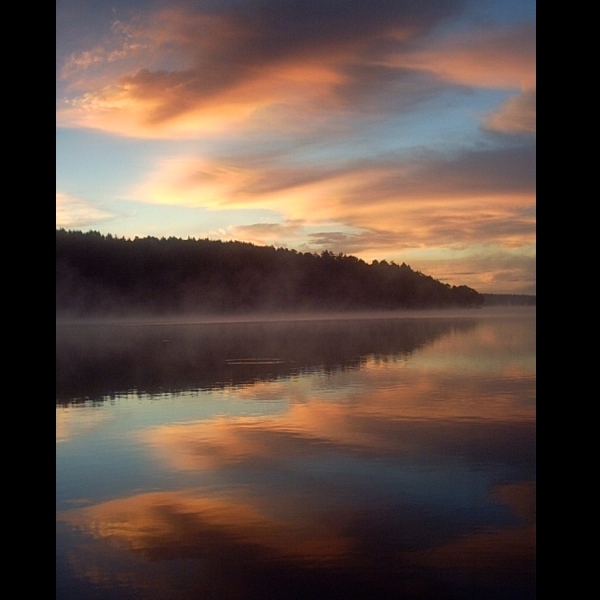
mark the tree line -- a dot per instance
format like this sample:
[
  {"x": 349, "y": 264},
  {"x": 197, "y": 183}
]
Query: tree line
[{"x": 103, "y": 274}]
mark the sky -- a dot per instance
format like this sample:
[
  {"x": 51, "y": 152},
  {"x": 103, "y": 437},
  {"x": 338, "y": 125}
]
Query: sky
[{"x": 398, "y": 130}]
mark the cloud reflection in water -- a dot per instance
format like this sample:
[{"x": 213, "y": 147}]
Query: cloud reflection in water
[{"x": 402, "y": 477}]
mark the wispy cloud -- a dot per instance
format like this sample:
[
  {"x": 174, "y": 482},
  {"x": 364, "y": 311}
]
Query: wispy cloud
[{"x": 74, "y": 212}]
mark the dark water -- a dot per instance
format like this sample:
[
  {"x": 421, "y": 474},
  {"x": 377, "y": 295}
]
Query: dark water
[{"x": 365, "y": 458}]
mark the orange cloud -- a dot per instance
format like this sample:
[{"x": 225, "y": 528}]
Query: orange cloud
[
  {"x": 494, "y": 58},
  {"x": 221, "y": 82},
  {"x": 167, "y": 105},
  {"x": 516, "y": 115}
]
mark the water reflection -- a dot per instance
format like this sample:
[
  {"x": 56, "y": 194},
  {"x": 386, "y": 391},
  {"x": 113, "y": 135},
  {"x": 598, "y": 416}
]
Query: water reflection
[
  {"x": 400, "y": 470},
  {"x": 94, "y": 361}
]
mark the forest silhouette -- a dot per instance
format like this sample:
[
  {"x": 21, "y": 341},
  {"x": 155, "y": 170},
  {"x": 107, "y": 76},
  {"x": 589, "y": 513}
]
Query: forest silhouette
[{"x": 105, "y": 275}]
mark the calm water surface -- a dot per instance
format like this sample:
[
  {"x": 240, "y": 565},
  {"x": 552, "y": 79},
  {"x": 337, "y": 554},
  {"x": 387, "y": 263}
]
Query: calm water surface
[{"x": 364, "y": 458}]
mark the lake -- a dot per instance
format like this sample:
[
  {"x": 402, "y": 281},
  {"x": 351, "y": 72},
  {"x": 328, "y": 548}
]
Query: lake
[{"x": 388, "y": 457}]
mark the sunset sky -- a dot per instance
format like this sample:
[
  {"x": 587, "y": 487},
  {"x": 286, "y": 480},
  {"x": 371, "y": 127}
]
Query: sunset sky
[{"x": 392, "y": 129}]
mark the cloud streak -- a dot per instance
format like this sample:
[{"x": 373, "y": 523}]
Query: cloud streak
[
  {"x": 468, "y": 197},
  {"x": 74, "y": 212},
  {"x": 502, "y": 57}
]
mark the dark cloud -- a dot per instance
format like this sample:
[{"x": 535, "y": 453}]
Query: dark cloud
[
  {"x": 505, "y": 168},
  {"x": 509, "y": 226},
  {"x": 337, "y": 241},
  {"x": 488, "y": 171},
  {"x": 286, "y": 25},
  {"x": 384, "y": 89},
  {"x": 234, "y": 42}
]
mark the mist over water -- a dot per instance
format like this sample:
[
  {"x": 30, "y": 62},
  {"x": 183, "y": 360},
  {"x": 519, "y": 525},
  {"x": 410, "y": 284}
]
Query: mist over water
[
  {"x": 330, "y": 458},
  {"x": 314, "y": 316},
  {"x": 107, "y": 358}
]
